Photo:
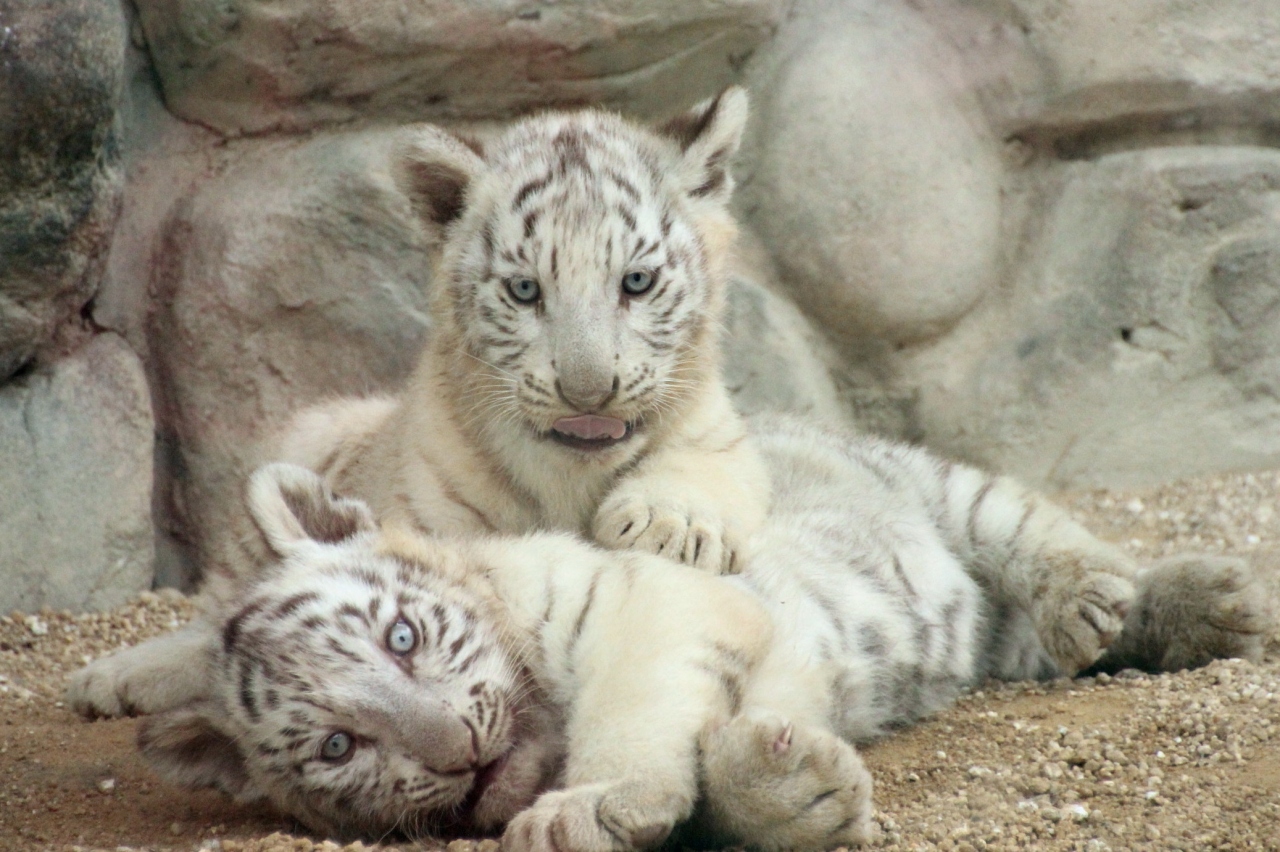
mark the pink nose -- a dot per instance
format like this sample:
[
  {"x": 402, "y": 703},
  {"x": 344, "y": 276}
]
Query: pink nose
[
  {"x": 431, "y": 732},
  {"x": 587, "y": 396}
]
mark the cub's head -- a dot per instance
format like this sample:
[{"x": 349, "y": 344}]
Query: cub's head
[
  {"x": 364, "y": 687},
  {"x": 583, "y": 268}
]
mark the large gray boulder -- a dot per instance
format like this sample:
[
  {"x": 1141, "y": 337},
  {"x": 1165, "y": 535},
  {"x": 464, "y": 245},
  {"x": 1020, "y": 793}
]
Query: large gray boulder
[
  {"x": 75, "y": 482},
  {"x": 62, "y": 70},
  {"x": 773, "y": 357},
  {"x": 294, "y": 273},
  {"x": 258, "y": 65},
  {"x": 876, "y": 189}
]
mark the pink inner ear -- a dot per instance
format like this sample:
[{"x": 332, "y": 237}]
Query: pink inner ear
[
  {"x": 591, "y": 427},
  {"x": 782, "y": 744}
]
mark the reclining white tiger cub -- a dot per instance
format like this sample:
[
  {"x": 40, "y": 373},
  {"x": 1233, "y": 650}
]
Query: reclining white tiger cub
[
  {"x": 572, "y": 378},
  {"x": 372, "y": 680}
]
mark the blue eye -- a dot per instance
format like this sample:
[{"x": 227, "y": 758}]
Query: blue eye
[
  {"x": 524, "y": 290},
  {"x": 336, "y": 746},
  {"x": 637, "y": 282},
  {"x": 401, "y": 638}
]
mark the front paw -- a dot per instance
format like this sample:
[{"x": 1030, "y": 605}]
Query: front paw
[
  {"x": 1081, "y": 603},
  {"x": 160, "y": 674},
  {"x": 103, "y": 688},
  {"x": 610, "y": 817},
  {"x": 679, "y": 527},
  {"x": 774, "y": 785}
]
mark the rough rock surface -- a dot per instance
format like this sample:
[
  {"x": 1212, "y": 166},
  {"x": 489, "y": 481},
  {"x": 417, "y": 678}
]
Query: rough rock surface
[
  {"x": 61, "y": 70},
  {"x": 295, "y": 272},
  {"x": 1047, "y": 227},
  {"x": 75, "y": 482},
  {"x": 1146, "y": 322},
  {"x": 774, "y": 359},
  {"x": 1148, "y": 65},
  {"x": 257, "y": 65}
]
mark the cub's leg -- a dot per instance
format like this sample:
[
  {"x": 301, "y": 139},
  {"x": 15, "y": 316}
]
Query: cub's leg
[
  {"x": 160, "y": 674},
  {"x": 696, "y": 500},
  {"x": 1192, "y": 609},
  {"x": 774, "y": 785},
  {"x": 1030, "y": 555},
  {"x": 658, "y": 655}
]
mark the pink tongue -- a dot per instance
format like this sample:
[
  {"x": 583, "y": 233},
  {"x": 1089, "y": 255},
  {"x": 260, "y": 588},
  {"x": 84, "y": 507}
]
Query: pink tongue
[{"x": 591, "y": 427}]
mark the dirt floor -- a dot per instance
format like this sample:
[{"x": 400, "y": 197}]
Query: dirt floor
[{"x": 1188, "y": 761}]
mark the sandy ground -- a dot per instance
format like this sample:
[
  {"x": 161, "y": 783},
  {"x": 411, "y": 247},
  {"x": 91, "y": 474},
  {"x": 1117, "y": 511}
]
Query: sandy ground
[{"x": 1188, "y": 761}]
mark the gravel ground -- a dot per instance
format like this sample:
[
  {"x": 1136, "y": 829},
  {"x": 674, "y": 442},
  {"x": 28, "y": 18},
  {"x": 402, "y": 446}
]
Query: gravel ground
[{"x": 1187, "y": 761}]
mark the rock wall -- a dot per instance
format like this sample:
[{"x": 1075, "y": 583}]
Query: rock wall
[
  {"x": 1047, "y": 226},
  {"x": 75, "y": 413},
  {"x": 1041, "y": 235},
  {"x": 258, "y": 65},
  {"x": 75, "y": 481}
]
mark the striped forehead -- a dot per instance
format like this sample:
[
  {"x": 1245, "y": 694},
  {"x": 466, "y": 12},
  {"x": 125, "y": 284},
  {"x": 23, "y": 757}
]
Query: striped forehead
[
  {"x": 357, "y": 598},
  {"x": 577, "y": 167},
  {"x": 585, "y": 143}
]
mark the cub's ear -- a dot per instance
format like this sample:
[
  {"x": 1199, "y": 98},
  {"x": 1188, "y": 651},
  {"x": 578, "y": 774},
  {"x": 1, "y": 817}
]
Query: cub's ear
[
  {"x": 434, "y": 169},
  {"x": 187, "y": 747},
  {"x": 291, "y": 504},
  {"x": 709, "y": 135}
]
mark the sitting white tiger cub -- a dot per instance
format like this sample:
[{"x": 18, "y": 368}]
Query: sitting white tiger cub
[
  {"x": 371, "y": 680},
  {"x": 572, "y": 378}
]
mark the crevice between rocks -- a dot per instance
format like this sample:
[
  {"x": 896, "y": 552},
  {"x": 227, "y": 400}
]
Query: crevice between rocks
[{"x": 1134, "y": 132}]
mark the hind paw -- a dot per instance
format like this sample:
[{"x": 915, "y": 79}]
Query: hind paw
[
  {"x": 1081, "y": 607},
  {"x": 776, "y": 785},
  {"x": 1193, "y": 609}
]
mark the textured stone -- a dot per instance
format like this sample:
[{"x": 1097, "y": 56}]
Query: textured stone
[
  {"x": 1145, "y": 65},
  {"x": 295, "y": 272},
  {"x": 873, "y": 183},
  {"x": 61, "y": 69},
  {"x": 75, "y": 482},
  {"x": 257, "y": 65},
  {"x": 774, "y": 359},
  {"x": 1143, "y": 337}
]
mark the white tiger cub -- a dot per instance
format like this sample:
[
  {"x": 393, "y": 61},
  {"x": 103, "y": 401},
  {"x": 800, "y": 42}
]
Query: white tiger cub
[
  {"x": 572, "y": 379},
  {"x": 373, "y": 681}
]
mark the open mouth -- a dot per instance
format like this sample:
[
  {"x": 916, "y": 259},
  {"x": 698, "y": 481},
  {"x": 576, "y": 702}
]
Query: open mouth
[{"x": 591, "y": 432}]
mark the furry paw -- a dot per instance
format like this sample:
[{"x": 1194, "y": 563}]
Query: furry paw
[
  {"x": 612, "y": 817},
  {"x": 1081, "y": 602},
  {"x": 677, "y": 526},
  {"x": 774, "y": 785},
  {"x": 157, "y": 675},
  {"x": 1192, "y": 609}
]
